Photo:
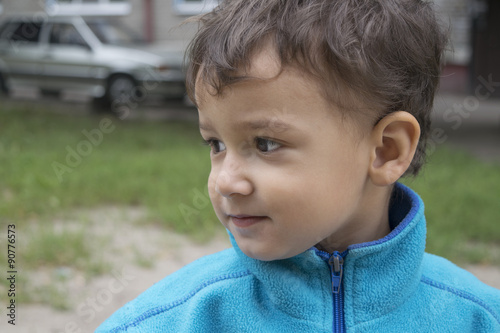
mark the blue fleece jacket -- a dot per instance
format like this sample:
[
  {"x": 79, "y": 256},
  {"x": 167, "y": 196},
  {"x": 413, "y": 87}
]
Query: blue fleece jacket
[{"x": 389, "y": 285}]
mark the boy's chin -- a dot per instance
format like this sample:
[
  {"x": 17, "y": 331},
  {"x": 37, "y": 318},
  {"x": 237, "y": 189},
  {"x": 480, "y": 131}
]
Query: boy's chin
[
  {"x": 262, "y": 248},
  {"x": 264, "y": 254}
]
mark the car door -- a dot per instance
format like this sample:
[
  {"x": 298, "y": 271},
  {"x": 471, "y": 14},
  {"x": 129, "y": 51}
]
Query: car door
[
  {"x": 20, "y": 52},
  {"x": 67, "y": 60}
]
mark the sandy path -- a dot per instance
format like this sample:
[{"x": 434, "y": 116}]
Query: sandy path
[
  {"x": 104, "y": 295},
  {"x": 96, "y": 299}
]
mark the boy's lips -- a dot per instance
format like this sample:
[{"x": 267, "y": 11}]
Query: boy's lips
[{"x": 245, "y": 221}]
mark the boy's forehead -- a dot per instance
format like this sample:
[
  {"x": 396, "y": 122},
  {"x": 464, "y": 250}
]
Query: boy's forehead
[{"x": 264, "y": 63}]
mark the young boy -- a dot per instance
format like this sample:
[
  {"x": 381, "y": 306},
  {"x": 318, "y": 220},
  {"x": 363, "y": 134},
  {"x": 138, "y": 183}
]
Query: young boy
[{"x": 313, "y": 110}]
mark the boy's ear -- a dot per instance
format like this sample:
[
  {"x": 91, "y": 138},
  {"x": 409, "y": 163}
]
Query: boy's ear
[{"x": 395, "y": 138}]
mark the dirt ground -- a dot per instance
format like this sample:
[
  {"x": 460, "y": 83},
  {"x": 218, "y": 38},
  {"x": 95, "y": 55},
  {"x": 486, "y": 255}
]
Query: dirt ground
[{"x": 140, "y": 255}]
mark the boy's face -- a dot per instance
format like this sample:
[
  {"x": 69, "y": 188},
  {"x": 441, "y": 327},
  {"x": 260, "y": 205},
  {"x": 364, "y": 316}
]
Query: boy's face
[{"x": 287, "y": 171}]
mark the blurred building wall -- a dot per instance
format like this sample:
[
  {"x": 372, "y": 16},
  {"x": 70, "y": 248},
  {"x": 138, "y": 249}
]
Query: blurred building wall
[
  {"x": 21, "y": 7},
  {"x": 168, "y": 22},
  {"x": 456, "y": 14},
  {"x": 485, "y": 64}
]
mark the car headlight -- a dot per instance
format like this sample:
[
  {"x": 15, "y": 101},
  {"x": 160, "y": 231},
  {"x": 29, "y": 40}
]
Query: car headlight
[{"x": 162, "y": 68}]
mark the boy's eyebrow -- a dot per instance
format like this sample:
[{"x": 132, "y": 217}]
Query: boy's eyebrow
[
  {"x": 205, "y": 126},
  {"x": 272, "y": 123}
]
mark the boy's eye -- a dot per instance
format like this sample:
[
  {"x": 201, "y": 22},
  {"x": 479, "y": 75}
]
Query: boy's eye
[
  {"x": 216, "y": 145},
  {"x": 266, "y": 145}
]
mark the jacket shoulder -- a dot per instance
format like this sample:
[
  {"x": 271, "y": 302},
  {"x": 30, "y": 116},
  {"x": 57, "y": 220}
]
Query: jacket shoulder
[
  {"x": 206, "y": 273},
  {"x": 461, "y": 289}
]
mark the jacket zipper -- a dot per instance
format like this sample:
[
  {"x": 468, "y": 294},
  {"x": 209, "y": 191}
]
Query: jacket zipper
[{"x": 336, "y": 262}]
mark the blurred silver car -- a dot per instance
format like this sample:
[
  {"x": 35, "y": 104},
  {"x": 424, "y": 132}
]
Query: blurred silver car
[{"x": 95, "y": 56}]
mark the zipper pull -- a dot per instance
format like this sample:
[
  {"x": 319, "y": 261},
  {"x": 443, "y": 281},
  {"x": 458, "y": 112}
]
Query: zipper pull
[{"x": 337, "y": 266}]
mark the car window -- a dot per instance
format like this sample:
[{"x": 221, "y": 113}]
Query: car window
[
  {"x": 66, "y": 34},
  {"x": 21, "y": 31},
  {"x": 113, "y": 33}
]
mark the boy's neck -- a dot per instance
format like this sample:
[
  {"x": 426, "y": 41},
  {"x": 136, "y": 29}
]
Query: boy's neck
[{"x": 371, "y": 224}]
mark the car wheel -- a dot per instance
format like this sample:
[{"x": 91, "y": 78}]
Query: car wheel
[
  {"x": 50, "y": 93},
  {"x": 4, "y": 90},
  {"x": 122, "y": 89}
]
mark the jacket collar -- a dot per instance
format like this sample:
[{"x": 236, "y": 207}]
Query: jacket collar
[{"x": 378, "y": 276}]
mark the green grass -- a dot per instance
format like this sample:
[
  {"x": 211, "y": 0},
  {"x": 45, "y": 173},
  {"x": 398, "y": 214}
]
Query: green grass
[
  {"x": 462, "y": 200},
  {"x": 53, "y": 248},
  {"x": 163, "y": 166},
  {"x": 158, "y": 165}
]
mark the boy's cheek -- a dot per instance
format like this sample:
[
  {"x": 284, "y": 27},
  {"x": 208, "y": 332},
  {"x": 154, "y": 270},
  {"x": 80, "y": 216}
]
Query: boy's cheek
[
  {"x": 212, "y": 180},
  {"x": 214, "y": 196}
]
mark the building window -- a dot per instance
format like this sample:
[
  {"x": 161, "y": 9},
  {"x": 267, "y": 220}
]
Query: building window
[
  {"x": 88, "y": 7},
  {"x": 194, "y": 7}
]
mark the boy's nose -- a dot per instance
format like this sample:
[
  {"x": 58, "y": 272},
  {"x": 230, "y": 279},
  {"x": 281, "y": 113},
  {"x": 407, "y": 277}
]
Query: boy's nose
[{"x": 231, "y": 179}]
